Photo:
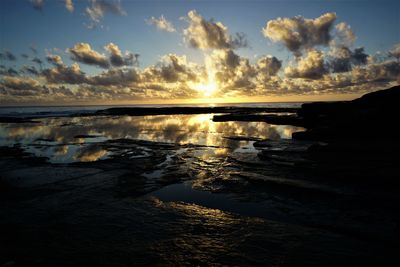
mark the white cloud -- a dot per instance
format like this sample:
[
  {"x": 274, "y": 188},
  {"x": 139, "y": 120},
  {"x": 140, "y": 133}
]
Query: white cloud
[{"x": 161, "y": 23}]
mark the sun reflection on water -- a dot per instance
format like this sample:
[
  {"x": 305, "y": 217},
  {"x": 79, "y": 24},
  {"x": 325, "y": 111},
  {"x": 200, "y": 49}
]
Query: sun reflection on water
[{"x": 73, "y": 135}]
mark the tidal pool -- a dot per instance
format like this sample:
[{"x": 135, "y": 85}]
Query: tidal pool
[
  {"x": 69, "y": 139},
  {"x": 178, "y": 190}
]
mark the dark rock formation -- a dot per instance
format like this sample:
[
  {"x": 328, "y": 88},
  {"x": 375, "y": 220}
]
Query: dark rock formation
[
  {"x": 16, "y": 120},
  {"x": 291, "y": 119},
  {"x": 367, "y": 120},
  {"x": 142, "y": 111}
]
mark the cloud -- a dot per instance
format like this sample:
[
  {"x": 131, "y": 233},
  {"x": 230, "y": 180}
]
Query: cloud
[
  {"x": 171, "y": 69},
  {"x": 385, "y": 71},
  {"x": 37, "y": 4},
  {"x": 225, "y": 59},
  {"x": 311, "y": 66},
  {"x": 98, "y": 8},
  {"x": 22, "y": 89},
  {"x": 54, "y": 59},
  {"x": 167, "y": 79},
  {"x": 116, "y": 77},
  {"x": 116, "y": 57},
  {"x": 20, "y": 83},
  {"x": 343, "y": 58},
  {"x": 7, "y": 55},
  {"x": 268, "y": 65},
  {"x": 29, "y": 70},
  {"x": 38, "y": 61},
  {"x": 65, "y": 74},
  {"x": 82, "y": 52},
  {"x": 8, "y": 71},
  {"x": 69, "y": 5},
  {"x": 395, "y": 52},
  {"x": 161, "y": 23},
  {"x": 203, "y": 34},
  {"x": 345, "y": 34},
  {"x": 341, "y": 68},
  {"x": 299, "y": 33},
  {"x": 229, "y": 71}
]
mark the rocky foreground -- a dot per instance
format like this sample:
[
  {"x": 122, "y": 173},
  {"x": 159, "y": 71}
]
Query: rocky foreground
[{"x": 328, "y": 197}]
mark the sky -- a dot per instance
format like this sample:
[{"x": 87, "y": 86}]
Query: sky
[{"x": 144, "y": 51}]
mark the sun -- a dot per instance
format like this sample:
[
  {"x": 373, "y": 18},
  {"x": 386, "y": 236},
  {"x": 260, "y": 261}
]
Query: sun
[{"x": 208, "y": 89}]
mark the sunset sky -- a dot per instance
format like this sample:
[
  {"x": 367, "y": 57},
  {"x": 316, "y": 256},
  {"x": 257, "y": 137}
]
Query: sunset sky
[{"x": 120, "y": 52}]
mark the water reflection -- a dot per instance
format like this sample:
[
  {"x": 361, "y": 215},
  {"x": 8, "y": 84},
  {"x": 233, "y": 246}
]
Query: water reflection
[
  {"x": 63, "y": 139},
  {"x": 90, "y": 153}
]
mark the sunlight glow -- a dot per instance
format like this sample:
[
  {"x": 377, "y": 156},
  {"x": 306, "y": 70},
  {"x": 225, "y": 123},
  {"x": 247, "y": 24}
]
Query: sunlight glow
[
  {"x": 208, "y": 86},
  {"x": 208, "y": 89}
]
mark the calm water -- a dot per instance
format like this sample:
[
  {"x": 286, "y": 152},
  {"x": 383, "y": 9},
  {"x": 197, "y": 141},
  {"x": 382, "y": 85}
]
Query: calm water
[
  {"x": 66, "y": 139},
  {"x": 68, "y": 110}
]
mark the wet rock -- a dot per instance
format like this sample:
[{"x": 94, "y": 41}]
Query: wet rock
[
  {"x": 242, "y": 138},
  {"x": 139, "y": 111},
  {"x": 86, "y": 136},
  {"x": 272, "y": 119},
  {"x": 16, "y": 120}
]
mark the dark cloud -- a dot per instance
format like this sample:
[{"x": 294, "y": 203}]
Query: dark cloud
[
  {"x": 204, "y": 34},
  {"x": 359, "y": 57},
  {"x": 268, "y": 65},
  {"x": 7, "y": 55},
  {"x": 311, "y": 66},
  {"x": 117, "y": 59},
  {"x": 386, "y": 71},
  {"x": 343, "y": 59},
  {"x": 54, "y": 59},
  {"x": 239, "y": 40},
  {"x": 20, "y": 83},
  {"x": 29, "y": 70},
  {"x": 299, "y": 34},
  {"x": 26, "y": 56},
  {"x": 229, "y": 59},
  {"x": 82, "y": 52},
  {"x": 395, "y": 52},
  {"x": 230, "y": 71},
  {"x": 8, "y": 71},
  {"x": 65, "y": 74},
  {"x": 37, "y": 60},
  {"x": 115, "y": 77},
  {"x": 171, "y": 69}
]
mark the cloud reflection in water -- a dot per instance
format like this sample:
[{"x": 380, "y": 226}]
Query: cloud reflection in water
[{"x": 57, "y": 137}]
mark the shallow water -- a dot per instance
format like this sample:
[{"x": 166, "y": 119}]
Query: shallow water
[
  {"x": 181, "y": 191},
  {"x": 68, "y": 139}
]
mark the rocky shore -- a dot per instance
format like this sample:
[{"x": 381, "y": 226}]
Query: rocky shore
[
  {"x": 363, "y": 119},
  {"x": 252, "y": 197}
]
